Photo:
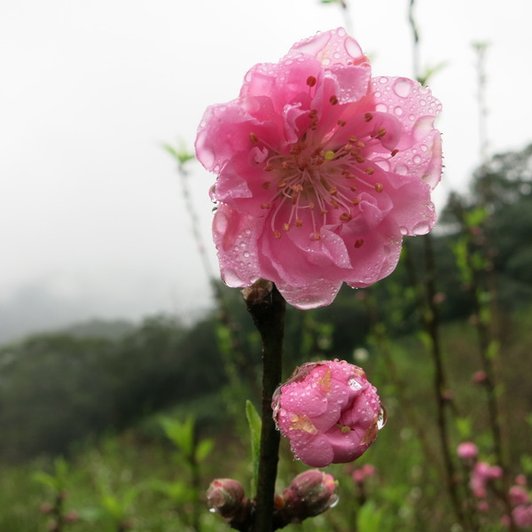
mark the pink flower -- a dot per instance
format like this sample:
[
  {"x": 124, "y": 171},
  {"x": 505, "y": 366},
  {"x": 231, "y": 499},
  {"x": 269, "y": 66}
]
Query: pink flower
[
  {"x": 329, "y": 412},
  {"x": 518, "y": 495},
  {"x": 479, "y": 377},
  {"x": 522, "y": 515},
  {"x": 520, "y": 480},
  {"x": 362, "y": 473},
  {"x": 467, "y": 451},
  {"x": 481, "y": 475},
  {"x": 321, "y": 171}
]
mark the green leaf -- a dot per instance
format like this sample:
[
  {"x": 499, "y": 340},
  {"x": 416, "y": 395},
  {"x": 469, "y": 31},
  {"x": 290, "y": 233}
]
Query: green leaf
[
  {"x": 430, "y": 72},
  {"x": 463, "y": 424},
  {"x": 113, "y": 507},
  {"x": 369, "y": 518},
  {"x": 255, "y": 426},
  {"x": 181, "y": 434},
  {"x": 203, "y": 449},
  {"x": 493, "y": 349},
  {"x": 46, "y": 480},
  {"x": 181, "y": 155}
]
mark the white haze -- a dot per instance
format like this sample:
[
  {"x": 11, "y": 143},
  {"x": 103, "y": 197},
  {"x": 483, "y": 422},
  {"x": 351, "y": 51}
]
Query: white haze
[{"x": 92, "y": 222}]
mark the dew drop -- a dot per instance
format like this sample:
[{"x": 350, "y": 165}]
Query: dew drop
[
  {"x": 381, "y": 108},
  {"x": 212, "y": 510},
  {"x": 402, "y": 87},
  {"x": 424, "y": 147},
  {"x": 422, "y": 228},
  {"x": 398, "y": 111},
  {"x": 381, "y": 420},
  {"x": 417, "y": 159},
  {"x": 383, "y": 80},
  {"x": 334, "y": 501},
  {"x": 352, "y": 48},
  {"x": 401, "y": 169},
  {"x": 404, "y": 230},
  {"x": 378, "y": 94},
  {"x": 354, "y": 384}
]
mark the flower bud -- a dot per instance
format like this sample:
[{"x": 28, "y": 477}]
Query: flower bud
[
  {"x": 329, "y": 412},
  {"x": 467, "y": 451},
  {"x": 479, "y": 377},
  {"x": 72, "y": 517},
  {"x": 46, "y": 508},
  {"x": 309, "y": 494},
  {"x": 225, "y": 496}
]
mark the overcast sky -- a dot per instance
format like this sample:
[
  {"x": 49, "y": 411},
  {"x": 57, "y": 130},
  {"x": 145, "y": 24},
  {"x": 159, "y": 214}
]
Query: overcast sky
[{"x": 91, "y": 218}]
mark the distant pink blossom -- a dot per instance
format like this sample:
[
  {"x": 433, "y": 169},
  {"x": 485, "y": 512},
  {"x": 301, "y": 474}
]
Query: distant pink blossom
[
  {"x": 467, "y": 451},
  {"x": 362, "y": 473},
  {"x": 520, "y": 480},
  {"x": 329, "y": 412},
  {"x": 483, "y": 506},
  {"x": 479, "y": 377},
  {"x": 481, "y": 476},
  {"x": 522, "y": 515},
  {"x": 322, "y": 170},
  {"x": 518, "y": 495}
]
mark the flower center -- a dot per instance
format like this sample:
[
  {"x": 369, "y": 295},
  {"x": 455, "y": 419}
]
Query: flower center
[{"x": 318, "y": 179}]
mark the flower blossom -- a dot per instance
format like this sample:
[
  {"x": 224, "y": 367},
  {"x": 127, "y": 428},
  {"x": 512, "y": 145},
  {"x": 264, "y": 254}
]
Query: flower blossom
[
  {"x": 362, "y": 473},
  {"x": 481, "y": 476},
  {"x": 522, "y": 515},
  {"x": 329, "y": 412},
  {"x": 322, "y": 170},
  {"x": 467, "y": 451}
]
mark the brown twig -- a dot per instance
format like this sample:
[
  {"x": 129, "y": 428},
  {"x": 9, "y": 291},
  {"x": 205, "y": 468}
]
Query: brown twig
[{"x": 267, "y": 308}]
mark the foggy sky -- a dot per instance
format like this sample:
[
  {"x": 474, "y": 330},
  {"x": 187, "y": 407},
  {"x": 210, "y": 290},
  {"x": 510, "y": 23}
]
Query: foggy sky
[{"x": 91, "y": 218}]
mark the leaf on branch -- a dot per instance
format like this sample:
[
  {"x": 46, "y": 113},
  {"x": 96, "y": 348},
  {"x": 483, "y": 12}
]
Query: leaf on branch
[{"x": 255, "y": 426}]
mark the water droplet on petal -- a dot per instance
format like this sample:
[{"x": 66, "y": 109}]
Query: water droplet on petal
[
  {"x": 354, "y": 384},
  {"x": 385, "y": 165},
  {"x": 422, "y": 228},
  {"x": 401, "y": 169},
  {"x": 417, "y": 159},
  {"x": 381, "y": 108},
  {"x": 381, "y": 420},
  {"x": 398, "y": 111},
  {"x": 402, "y": 87}
]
